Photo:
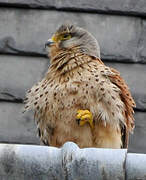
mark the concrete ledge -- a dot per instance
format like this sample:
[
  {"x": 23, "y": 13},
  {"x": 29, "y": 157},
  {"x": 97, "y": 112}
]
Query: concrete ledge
[
  {"x": 69, "y": 163},
  {"x": 136, "y": 166}
]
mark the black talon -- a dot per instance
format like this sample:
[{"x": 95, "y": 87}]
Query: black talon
[{"x": 78, "y": 121}]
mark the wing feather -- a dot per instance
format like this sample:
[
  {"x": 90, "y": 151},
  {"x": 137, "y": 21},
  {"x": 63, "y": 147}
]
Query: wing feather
[{"x": 126, "y": 97}]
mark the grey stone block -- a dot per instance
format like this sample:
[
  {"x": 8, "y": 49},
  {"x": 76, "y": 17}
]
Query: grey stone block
[
  {"x": 137, "y": 139},
  {"x": 44, "y": 4},
  {"x": 25, "y": 31},
  {"x": 142, "y": 43},
  {"x": 16, "y": 127},
  {"x": 130, "y": 7},
  {"x": 135, "y": 77},
  {"x": 18, "y": 74}
]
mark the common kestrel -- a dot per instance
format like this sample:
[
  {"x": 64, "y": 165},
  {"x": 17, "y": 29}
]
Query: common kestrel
[{"x": 80, "y": 99}]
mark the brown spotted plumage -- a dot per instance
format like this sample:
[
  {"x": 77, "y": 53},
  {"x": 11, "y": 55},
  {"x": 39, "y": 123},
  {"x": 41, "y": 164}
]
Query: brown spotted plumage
[{"x": 77, "y": 81}]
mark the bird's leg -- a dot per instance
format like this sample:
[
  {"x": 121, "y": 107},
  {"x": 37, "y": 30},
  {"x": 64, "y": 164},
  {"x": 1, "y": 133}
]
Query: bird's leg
[{"x": 83, "y": 117}]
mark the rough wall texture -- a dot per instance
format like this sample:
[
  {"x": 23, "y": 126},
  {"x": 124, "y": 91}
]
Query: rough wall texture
[
  {"x": 120, "y": 28},
  {"x": 128, "y": 7},
  {"x": 23, "y": 31}
]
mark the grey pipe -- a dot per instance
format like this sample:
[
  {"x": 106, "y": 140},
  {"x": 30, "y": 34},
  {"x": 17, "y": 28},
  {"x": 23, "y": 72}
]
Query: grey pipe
[{"x": 29, "y": 162}]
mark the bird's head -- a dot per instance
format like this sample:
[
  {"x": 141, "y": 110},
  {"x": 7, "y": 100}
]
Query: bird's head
[{"x": 71, "y": 37}]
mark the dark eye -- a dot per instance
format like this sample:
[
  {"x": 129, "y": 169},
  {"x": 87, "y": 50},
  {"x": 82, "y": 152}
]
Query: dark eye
[{"x": 66, "y": 36}]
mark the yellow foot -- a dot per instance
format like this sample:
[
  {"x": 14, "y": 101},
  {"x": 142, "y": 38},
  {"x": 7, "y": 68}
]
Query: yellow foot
[{"x": 83, "y": 117}]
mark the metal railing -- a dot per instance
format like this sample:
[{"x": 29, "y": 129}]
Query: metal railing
[{"x": 29, "y": 162}]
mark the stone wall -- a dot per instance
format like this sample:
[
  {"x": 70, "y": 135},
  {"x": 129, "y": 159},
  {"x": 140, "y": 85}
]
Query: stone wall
[{"x": 120, "y": 28}]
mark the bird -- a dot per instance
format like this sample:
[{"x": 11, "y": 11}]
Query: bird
[{"x": 80, "y": 99}]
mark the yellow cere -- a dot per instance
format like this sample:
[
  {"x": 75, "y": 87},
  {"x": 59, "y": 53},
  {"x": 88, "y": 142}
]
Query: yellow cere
[{"x": 54, "y": 38}]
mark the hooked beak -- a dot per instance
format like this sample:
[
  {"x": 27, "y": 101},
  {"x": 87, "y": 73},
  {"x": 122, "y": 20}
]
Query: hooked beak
[{"x": 49, "y": 43}]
